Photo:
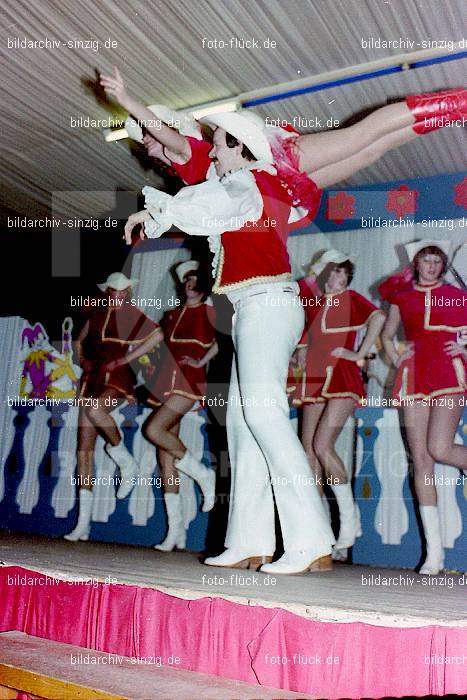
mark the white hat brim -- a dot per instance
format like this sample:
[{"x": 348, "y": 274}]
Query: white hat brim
[
  {"x": 416, "y": 246},
  {"x": 119, "y": 286},
  {"x": 332, "y": 256},
  {"x": 245, "y": 130},
  {"x": 185, "y": 267}
]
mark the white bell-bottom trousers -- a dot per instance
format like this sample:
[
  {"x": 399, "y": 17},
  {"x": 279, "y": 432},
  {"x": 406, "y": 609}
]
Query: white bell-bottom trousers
[{"x": 266, "y": 455}]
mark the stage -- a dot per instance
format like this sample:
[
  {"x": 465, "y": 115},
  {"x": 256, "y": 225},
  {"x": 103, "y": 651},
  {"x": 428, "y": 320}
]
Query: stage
[{"x": 353, "y": 632}]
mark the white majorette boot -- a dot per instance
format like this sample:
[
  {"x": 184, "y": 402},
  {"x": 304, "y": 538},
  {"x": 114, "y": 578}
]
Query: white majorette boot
[
  {"x": 81, "y": 531},
  {"x": 238, "y": 558},
  {"x": 176, "y": 533},
  {"x": 127, "y": 465},
  {"x": 349, "y": 516},
  {"x": 434, "y": 561},
  {"x": 299, "y": 562},
  {"x": 204, "y": 477}
]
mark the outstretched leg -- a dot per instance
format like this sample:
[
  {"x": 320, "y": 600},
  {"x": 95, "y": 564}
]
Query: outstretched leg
[
  {"x": 420, "y": 113},
  {"x": 158, "y": 430},
  {"x": 336, "y": 172},
  {"x": 158, "y": 427},
  {"x": 99, "y": 415},
  {"x": 316, "y": 151}
]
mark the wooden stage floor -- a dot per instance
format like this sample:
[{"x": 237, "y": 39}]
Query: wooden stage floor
[{"x": 387, "y": 597}]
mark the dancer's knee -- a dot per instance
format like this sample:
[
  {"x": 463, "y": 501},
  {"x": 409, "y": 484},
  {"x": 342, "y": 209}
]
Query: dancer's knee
[
  {"x": 149, "y": 431},
  {"x": 438, "y": 451},
  {"x": 321, "y": 447}
]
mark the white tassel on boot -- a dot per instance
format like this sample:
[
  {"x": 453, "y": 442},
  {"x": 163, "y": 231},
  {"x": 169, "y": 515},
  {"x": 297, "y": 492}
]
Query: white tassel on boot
[
  {"x": 434, "y": 561},
  {"x": 176, "y": 534},
  {"x": 81, "y": 531},
  {"x": 204, "y": 477},
  {"x": 127, "y": 465},
  {"x": 349, "y": 516}
]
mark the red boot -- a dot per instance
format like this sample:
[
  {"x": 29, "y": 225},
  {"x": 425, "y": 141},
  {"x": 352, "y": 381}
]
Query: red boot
[{"x": 434, "y": 110}]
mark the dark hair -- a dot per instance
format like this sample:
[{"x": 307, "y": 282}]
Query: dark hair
[
  {"x": 202, "y": 286},
  {"x": 347, "y": 266},
  {"x": 232, "y": 141},
  {"x": 429, "y": 250}
]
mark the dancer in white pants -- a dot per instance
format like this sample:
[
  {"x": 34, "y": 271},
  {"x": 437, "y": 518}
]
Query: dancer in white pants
[
  {"x": 265, "y": 452},
  {"x": 245, "y": 211}
]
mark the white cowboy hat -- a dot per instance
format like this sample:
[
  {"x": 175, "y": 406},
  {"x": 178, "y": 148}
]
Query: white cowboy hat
[
  {"x": 247, "y": 127},
  {"x": 118, "y": 281},
  {"x": 188, "y": 125},
  {"x": 330, "y": 256},
  {"x": 415, "y": 247},
  {"x": 185, "y": 267}
]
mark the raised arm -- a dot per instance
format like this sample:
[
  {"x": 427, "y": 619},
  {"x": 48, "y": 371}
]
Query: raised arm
[
  {"x": 209, "y": 208},
  {"x": 169, "y": 138}
]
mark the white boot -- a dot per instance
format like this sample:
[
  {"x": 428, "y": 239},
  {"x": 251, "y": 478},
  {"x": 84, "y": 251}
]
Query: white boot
[
  {"x": 127, "y": 465},
  {"x": 349, "y": 516},
  {"x": 239, "y": 558},
  {"x": 299, "y": 562},
  {"x": 434, "y": 561},
  {"x": 81, "y": 531},
  {"x": 204, "y": 477},
  {"x": 176, "y": 534}
]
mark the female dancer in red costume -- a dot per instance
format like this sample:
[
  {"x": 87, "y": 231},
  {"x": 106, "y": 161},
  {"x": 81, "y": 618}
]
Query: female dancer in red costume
[
  {"x": 332, "y": 385},
  {"x": 306, "y": 163},
  {"x": 180, "y": 381},
  {"x": 105, "y": 345},
  {"x": 431, "y": 374}
]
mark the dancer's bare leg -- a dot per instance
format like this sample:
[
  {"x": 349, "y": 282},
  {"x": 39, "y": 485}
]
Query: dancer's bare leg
[
  {"x": 332, "y": 421},
  {"x": 416, "y": 421},
  {"x": 87, "y": 436},
  {"x": 442, "y": 428},
  {"x": 100, "y": 418},
  {"x": 319, "y": 150},
  {"x": 167, "y": 466},
  {"x": 158, "y": 426},
  {"x": 332, "y": 174},
  {"x": 311, "y": 417}
]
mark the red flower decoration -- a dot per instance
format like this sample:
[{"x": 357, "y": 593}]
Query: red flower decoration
[
  {"x": 461, "y": 193},
  {"x": 402, "y": 201},
  {"x": 340, "y": 207}
]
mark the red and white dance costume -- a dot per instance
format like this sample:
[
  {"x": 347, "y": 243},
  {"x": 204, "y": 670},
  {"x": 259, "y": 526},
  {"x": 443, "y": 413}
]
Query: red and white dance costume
[
  {"x": 431, "y": 317},
  {"x": 246, "y": 216},
  {"x": 111, "y": 332},
  {"x": 188, "y": 331},
  {"x": 333, "y": 322}
]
